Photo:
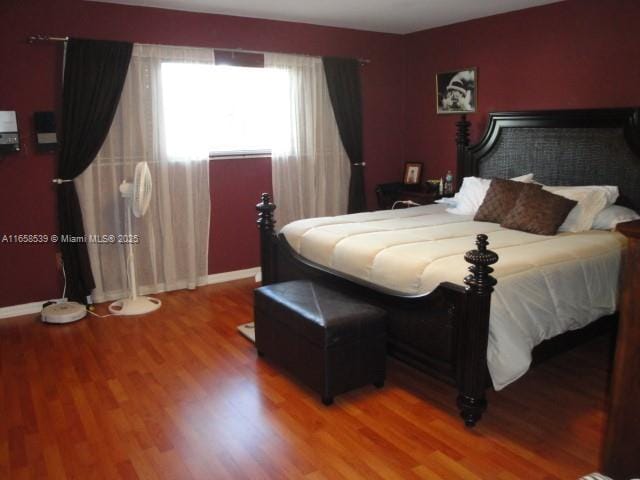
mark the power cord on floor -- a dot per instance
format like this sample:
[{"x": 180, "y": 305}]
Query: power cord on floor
[{"x": 100, "y": 316}]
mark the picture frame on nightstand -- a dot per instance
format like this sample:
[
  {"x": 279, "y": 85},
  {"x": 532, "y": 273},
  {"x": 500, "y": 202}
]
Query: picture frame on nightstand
[{"x": 412, "y": 173}]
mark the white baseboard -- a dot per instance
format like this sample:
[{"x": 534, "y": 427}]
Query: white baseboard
[
  {"x": 234, "y": 275},
  {"x": 36, "y": 307},
  {"x": 24, "y": 309}
]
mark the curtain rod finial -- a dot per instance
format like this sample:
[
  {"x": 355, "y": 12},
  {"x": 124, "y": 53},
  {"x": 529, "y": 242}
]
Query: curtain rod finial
[{"x": 45, "y": 38}]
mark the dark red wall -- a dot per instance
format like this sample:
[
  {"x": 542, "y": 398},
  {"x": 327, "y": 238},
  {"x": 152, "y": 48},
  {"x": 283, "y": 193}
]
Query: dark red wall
[
  {"x": 572, "y": 54},
  {"x": 30, "y": 81}
]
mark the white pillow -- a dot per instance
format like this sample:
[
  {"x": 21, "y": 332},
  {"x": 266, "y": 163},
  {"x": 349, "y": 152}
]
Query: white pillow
[
  {"x": 527, "y": 178},
  {"x": 447, "y": 201},
  {"x": 473, "y": 191},
  {"x": 611, "y": 191},
  {"x": 611, "y": 216},
  {"x": 591, "y": 201}
]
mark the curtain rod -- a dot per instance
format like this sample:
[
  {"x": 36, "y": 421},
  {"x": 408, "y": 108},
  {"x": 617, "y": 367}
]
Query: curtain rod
[
  {"x": 47, "y": 38},
  {"x": 363, "y": 61}
]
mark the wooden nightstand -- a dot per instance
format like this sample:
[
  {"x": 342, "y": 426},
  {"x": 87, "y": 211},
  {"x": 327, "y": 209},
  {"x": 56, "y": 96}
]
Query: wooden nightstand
[{"x": 389, "y": 193}]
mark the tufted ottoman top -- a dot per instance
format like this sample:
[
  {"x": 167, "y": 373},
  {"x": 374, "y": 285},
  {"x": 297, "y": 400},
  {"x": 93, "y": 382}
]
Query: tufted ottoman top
[{"x": 323, "y": 316}]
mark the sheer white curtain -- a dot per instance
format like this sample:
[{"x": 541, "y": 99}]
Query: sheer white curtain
[
  {"x": 172, "y": 252},
  {"x": 310, "y": 168}
]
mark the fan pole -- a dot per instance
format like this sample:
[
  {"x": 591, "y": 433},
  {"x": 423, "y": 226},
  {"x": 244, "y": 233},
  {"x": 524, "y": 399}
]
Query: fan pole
[
  {"x": 132, "y": 269},
  {"x": 138, "y": 195}
]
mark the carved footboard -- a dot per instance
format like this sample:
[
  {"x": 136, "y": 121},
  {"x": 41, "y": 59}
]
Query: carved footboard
[
  {"x": 473, "y": 331},
  {"x": 268, "y": 239},
  {"x": 443, "y": 333}
]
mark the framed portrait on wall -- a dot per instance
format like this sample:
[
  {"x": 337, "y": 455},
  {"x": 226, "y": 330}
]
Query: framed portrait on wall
[
  {"x": 456, "y": 92},
  {"x": 412, "y": 173}
]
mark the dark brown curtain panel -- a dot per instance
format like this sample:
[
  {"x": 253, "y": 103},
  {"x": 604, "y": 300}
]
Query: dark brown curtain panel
[
  {"x": 94, "y": 75},
  {"x": 343, "y": 79}
]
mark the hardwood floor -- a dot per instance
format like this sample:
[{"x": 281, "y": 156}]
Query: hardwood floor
[{"x": 179, "y": 394}]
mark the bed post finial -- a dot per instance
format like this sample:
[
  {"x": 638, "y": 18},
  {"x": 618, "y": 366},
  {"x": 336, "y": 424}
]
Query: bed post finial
[
  {"x": 265, "y": 215},
  {"x": 480, "y": 279},
  {"x": 474, "y": 333},
  {"x": 266, "y": 224},
  {"x": 462, "y": 135},
  {"x": 462, "y": 142}
]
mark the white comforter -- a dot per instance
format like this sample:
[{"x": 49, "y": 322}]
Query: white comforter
[{"x": 546, "y": 285}]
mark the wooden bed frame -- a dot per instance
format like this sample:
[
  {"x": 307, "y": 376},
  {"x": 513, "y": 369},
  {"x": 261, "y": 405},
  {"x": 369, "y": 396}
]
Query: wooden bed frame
[{"x": 445, "y": 332}]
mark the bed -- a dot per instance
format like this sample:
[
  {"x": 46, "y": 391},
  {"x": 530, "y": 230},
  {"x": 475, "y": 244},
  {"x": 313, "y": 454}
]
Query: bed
[{"x": 447, "y": 326}]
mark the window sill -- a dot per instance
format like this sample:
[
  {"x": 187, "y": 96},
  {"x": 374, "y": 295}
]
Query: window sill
[{"x": 240, "y": 156}]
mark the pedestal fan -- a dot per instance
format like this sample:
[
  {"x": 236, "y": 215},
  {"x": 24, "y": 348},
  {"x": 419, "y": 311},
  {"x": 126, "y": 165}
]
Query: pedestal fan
[{"x": 137, "y": 196}]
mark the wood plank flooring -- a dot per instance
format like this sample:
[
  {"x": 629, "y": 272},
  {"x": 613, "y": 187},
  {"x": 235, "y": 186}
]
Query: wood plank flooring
[{"x": 179, "y": 394}]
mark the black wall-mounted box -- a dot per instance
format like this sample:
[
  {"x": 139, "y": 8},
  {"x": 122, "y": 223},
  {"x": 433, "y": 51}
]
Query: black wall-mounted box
[{"x": 46, "y": 138}]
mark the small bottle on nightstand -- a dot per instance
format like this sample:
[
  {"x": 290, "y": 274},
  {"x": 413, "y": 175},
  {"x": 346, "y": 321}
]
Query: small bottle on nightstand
[{"x": 448, "y": 184}]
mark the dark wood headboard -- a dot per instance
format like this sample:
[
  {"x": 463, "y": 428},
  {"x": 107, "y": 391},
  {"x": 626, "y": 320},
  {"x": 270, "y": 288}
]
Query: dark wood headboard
[{"x": 561, "y": 147}]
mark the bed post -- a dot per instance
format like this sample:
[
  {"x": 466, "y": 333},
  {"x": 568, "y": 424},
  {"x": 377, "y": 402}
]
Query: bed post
[
  {"x": 473, "y": 333},
  {"x": 462, "y": 142},
  {"x": 266, "y": 225}
]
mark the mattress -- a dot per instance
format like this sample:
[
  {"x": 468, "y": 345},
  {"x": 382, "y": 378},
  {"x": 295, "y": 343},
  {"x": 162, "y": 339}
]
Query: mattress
[{"x": 546, "y": 285}]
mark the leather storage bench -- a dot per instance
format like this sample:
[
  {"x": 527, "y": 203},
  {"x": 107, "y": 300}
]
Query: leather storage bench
[{"x": 325, "y": 339}]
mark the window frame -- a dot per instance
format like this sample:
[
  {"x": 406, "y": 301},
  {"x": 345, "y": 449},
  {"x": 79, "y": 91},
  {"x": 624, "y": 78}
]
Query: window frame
[{"x": 238, "y": 154}]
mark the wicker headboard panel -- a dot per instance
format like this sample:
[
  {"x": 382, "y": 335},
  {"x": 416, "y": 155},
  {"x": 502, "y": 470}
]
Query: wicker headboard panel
[{"x": 568, "y": 147}]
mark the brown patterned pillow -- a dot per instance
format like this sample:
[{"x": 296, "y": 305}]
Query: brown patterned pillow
[
  {"x": 500, "y": 199},
  {"x": 538, "y": 211}
]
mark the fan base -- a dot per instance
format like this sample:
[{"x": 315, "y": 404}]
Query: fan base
[{"x": 135, "y": 306}]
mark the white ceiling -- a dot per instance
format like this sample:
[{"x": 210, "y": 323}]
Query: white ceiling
[{"x": 392, "y": 16}]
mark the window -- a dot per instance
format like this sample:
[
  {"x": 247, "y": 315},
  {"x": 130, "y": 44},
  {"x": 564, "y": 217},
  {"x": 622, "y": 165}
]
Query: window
[{"x": 227, "y": 110}]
